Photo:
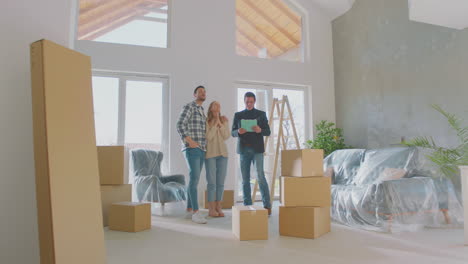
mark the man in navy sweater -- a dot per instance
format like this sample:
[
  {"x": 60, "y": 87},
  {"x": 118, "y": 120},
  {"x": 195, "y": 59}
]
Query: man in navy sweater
[{"x": 250, "y": 146}]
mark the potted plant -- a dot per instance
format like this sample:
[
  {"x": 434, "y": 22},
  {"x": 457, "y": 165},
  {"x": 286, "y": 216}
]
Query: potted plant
[
  {"x": 446, "y": 159},
  {"x": 329, "y": 138}
]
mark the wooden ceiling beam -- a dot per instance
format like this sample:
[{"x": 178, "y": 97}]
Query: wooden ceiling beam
[
  {"x": 103, "y": 8},
  {"x": 253, "y": 42},
  {"x": 247, "y": 50},
  {"x": 110, "y": 26},
  {"x": 153, "y": 19},
  {"x": 94, "y": 23},
  {"x": 156, "y": 10},
  {"x": 271, "y": 21},
  {"x": 260, "y": 31},
  {"x": 163, "y": 2},
  {"x": 281, "y": 6}
]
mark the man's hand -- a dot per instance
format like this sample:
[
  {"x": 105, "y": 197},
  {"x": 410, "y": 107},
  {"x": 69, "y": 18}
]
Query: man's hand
[
  {"x": 257, "y": 129},
  {"x": 192, "y": 144},
  {"x": 241, "y": 131}
]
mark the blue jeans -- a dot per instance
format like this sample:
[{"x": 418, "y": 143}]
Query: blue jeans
[
  {"x": 195, "y": 158},
  {"x": 216, "y": 168},
  {"x": 246, "y": 159}
]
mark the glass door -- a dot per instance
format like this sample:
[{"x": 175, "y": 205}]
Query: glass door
[{"x": 265, "y": 94}]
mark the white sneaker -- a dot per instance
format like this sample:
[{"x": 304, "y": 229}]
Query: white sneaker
[
  {"x": 188, "y": 215},
  {"x": 199, "y": 218}
]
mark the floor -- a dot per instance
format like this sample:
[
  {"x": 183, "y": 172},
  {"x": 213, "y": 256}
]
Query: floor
[{"x": 173, "y": 239}]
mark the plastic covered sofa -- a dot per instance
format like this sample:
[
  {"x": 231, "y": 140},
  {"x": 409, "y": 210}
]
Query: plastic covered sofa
[{"x": 388, "y": 190}]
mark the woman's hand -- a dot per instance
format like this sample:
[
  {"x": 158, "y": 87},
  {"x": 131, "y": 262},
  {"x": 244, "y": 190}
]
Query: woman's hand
[{"x": 224, "y": 119}]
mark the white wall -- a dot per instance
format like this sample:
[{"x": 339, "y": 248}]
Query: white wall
[
  {"x": 203, "y": 52},
  {"x": 21, "y": 23}
]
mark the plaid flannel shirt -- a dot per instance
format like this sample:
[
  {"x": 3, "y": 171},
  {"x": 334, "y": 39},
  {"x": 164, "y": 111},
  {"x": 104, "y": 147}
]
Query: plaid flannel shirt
[{"x": 192, "y": 123}]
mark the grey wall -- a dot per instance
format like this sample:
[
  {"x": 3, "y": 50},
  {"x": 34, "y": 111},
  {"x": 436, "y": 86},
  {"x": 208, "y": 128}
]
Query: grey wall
[{"x": 388, "y": 70}]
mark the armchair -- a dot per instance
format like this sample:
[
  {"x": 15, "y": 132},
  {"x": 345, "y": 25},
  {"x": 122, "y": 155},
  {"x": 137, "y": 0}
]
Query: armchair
[{"x": 150, "y": 184}]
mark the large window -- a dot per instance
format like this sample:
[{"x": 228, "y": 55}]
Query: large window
[
  {"x": 130, "y": 110},
  {"x": 270, "y": 29},
  {"x": 133, "y": 22},
  {"x": 265, "y": 93}
]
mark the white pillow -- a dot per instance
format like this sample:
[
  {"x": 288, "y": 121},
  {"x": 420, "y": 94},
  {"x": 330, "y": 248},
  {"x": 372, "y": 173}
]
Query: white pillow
[{"x": 389, "y": 174}]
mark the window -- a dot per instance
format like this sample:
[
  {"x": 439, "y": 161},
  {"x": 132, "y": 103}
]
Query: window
[
  {"x": 265, "y": 94},
  {"x": 270, "y": 29},
  {"x": 143, "y": 23},
  {"x": 129, "y": 110}
]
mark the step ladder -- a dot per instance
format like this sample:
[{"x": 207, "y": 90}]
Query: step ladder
[{"x": 278, "y": 106}]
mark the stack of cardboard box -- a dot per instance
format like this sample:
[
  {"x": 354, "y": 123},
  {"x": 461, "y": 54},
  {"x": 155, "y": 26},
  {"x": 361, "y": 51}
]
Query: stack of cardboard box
[
  {"x": 305, "y": 194},
  {"x": 111, "y": 177}
]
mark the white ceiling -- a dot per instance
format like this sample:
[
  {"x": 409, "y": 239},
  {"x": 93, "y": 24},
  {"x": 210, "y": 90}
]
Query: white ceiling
[
  {"x": 447, "y": 13},
  {"x": 335, "y": 8}
]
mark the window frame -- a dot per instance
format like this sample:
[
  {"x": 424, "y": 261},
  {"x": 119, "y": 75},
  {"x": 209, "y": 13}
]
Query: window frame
[
  {"x": 304, "y": 44},
  {"x": 75, "y": 24},
  {"x": 269, "y": 87},
  {"x": 123, "y": 78}
]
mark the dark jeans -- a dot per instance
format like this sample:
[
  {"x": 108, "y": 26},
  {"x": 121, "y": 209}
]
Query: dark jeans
[{"x": 247, "y": 157}]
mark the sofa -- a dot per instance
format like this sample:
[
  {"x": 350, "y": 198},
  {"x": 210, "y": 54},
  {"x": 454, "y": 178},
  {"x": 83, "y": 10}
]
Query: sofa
[{"x": 390, "y": 190}]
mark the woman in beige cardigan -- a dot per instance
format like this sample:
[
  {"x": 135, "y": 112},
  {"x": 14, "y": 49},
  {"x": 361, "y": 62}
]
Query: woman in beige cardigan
[{"x": 217, "y": 131}]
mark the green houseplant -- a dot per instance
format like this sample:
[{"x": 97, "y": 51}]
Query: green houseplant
[
  {"x": 446, "y": 159},
  {"x": 329, "y": 138}
]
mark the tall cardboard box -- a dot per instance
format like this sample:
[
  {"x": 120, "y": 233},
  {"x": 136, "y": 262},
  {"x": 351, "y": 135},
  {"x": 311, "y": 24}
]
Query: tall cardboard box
[
  {"x": 250, "y": 222},
  {"x": 226, "y": 203},
  {"x": 130, "y": 217},
  {"x": 114, "y": 194},
  {"x": 65, "y": 154},
  {"x": 111, "y": 165},
  {"x": 302, "y": 163},
  {"x": 310, "y": 191},
  {"x": 305, "y": 222}
]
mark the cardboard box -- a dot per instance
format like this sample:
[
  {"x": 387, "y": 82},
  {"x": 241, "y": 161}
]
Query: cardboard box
[
  {"x": 113, "y": 194},
  {"x": 65, "y": 154},
  {"x": 130, "y": 217},
  {"x": 311, "y": 191},
  {"x": 226, "y": 203},
  {"x": 111, "y": 165},
  {"x": 302, "y": 163},
  {"x": 250, "y": 222},
  {"x": 305, "y": 222}
]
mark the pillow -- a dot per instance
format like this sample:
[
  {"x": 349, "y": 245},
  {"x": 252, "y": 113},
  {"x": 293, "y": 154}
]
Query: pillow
[
  {"x": 389, "y": 174},
  {"x": 377, "y": 160}
]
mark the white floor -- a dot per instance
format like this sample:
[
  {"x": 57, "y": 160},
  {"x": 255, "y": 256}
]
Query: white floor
[{"x": 173, "y": 239}]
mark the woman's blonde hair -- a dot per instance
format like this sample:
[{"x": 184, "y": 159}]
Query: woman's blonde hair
[{"x": 210, "y": 113}]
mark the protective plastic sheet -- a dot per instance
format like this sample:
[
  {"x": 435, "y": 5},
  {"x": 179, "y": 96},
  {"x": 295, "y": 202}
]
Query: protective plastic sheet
[
  {"x": 391, "y": 190},
  {"x": 149, "y": 183}
]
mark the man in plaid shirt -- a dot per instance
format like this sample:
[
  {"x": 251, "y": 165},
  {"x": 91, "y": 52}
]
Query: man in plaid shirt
[{"x": 192, "y": 129}]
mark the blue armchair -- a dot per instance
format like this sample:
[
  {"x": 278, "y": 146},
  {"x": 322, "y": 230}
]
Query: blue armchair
[{"x": 150, "y": 184}]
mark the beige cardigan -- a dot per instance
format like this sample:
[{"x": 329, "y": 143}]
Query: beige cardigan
[{"x": 215, "y": 137}]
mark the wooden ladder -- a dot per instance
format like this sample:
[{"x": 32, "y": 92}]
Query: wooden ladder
[{"x": 279, "y": 106}]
